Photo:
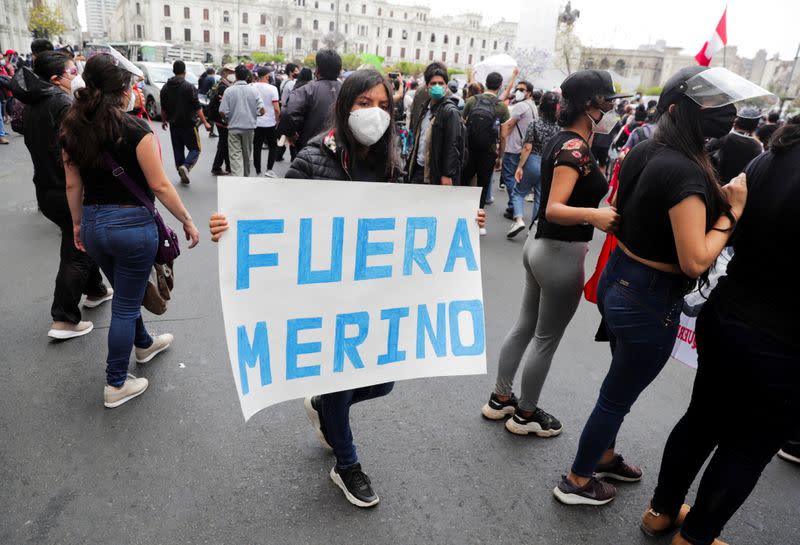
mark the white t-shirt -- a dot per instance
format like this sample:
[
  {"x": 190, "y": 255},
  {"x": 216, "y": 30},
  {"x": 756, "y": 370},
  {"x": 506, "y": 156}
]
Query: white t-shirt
[{"x": 269, "y": 94}]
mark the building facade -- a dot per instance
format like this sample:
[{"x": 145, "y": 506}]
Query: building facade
[
  {"x": 654, "y": 64},
  {"x": 14, "y": 25},
  {"x": 98, "y": 17},
  {"x": 297, "y": 28}
]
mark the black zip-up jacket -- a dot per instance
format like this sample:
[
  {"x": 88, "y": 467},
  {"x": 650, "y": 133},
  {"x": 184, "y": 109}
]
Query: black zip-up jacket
[
  {"x": 318, "y": 162},
  {"x": 179, "y": 100},
  {"x": 45, "y": 106},
  {"x": 308, "y": 110},
  {"x": 447, "y": 142}
]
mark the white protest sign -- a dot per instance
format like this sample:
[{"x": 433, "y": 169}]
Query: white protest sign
[
  {"x": 328, "y": 286},
  {"x": 685, "y": 348}
]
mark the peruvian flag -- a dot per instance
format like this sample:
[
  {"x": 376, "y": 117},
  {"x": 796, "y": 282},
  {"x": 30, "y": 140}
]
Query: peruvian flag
[{"x": 717, "y": 41}]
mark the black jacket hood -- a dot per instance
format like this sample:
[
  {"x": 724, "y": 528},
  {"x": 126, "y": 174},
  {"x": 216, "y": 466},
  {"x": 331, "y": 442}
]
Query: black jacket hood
[{"x": 30, "y": 88}]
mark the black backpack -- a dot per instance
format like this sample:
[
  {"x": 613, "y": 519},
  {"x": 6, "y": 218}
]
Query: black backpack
[
  {"x": 214, "y": 102},
  {"x": 482, "y": 123}
]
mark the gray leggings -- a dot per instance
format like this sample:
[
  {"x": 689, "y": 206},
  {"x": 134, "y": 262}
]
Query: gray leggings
[{"x": 554, "y": 281}]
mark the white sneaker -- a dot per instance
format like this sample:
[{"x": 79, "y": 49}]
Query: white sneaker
[
  {"x": 160, "y": 343},
  {"x": 183, "y": 172},
  {"x": 133, "y": 387},
  {"x": 482, "y": 231},
  {"x": 270, "y": 174},
  {"x": 93, "y": 302},
  {"x": 529, "y": 197},
  {"x": 516, "y": 228},
  {"x": 67, "y": 330}
]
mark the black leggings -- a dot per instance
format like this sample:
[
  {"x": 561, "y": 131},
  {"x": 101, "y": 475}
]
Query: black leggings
[
  {"x": 268, "y": 135},
  {"x": 746, "y": 404}
]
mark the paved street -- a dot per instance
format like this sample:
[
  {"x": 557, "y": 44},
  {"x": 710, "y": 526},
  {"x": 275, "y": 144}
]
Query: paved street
[{"x": 180, "y": 466}]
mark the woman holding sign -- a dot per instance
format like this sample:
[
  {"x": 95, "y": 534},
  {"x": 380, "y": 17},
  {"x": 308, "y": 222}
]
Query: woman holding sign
[{"x": 361, "y": 147}]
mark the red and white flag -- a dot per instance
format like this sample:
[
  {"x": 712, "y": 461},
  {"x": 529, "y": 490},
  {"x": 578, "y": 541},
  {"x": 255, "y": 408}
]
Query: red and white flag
[{"x": 717, "y": 41}]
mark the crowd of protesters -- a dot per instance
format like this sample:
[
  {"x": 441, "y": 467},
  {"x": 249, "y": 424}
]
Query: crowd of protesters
[{"x": 685, "y": 178}]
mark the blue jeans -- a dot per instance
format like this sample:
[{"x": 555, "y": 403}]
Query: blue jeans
[
  {"x": 2, "y": 124},
  {"x": 510, "y": 162},
  {"x": 336, "y": 418},
  {"x": 531, "y": 179},
  {"x": 185, "y": 137},
  {"x": 641, "y": 307},
  {"x": 123, "y": 242}
]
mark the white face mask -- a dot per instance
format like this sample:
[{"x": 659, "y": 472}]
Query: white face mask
[
  {"x": 519, "y": 96},
  {"x": 606, "y": 123},
  {"x": 369, "y": 124},
  {"x": 77, "y": 83},
  {"x": 231, "y": 78}
]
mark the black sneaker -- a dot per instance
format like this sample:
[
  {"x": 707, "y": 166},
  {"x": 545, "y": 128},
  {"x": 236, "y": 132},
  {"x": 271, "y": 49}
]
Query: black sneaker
[
  {"x": 498, "y": 410},
  {"x": 355, "y": 484},
  {"x": 791, "y": 452},
  {"x": 619, "y": 470},
  {"x": 595, "y": 492},
  {"x": 502, "y": 185},
  {"x": 312, "y": 406},
  {"x": 540, "y": 423},
  {"x": 509, "y": 214}
]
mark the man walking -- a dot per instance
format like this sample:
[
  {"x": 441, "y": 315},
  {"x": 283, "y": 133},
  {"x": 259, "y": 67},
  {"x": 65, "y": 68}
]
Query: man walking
[
  {"x": 215, "y": 96},
  {"x": 484, "y": 114},
  {"x": 265, "y": 124},
  {"x": 523, "y": 113},
  {"x": 241, "y": 105},
  {"x": 180, "y": 109},
  {"x": 311, "y": 104}
]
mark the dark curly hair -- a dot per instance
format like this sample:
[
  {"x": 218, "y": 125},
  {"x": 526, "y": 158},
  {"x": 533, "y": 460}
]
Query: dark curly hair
[
  {"x": 95, "y": 121},
  {"x": 572, "y": 111},
  {"x": 787, "y": 136}
]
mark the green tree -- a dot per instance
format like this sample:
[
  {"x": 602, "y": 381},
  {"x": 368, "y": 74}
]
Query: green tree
[
  {"x": 350, "y": 61},
  {"x": 261, "y": 57},
  {"x": 408, "y": 68},
  {"x": 310, "y": 61},
  {"x": 46, "y": 21},
  {"x": 453, "y": 71}
]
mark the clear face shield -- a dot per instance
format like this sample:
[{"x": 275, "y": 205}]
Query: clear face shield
[{"x": 717, "y": 87}]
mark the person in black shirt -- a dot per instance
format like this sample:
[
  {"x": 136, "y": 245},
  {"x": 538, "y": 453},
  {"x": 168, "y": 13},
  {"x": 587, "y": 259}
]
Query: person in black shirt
[
  {"x": 731, "y": 153},
  {"x": 180, "y": 109},
  {"x": 765, "y": 131},
  {"x": 572, "y": 187},
  {"x": 109, "y": 222},
  {"x": 748, "y": 375},
  {"x": 675, "y": 221}
]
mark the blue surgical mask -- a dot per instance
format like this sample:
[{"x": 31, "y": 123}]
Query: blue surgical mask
[{"x": 436, "y": 91}]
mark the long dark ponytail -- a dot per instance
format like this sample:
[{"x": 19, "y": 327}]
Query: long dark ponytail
[
  {"x": 681, "y": 130},
  {"x": 95, "y": 121}
]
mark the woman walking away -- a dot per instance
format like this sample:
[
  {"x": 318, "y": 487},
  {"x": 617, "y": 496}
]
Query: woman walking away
[
  {"x": 46, "y": 92},
  {"x": 747, "y": 348},
  {"x": 109, "y": 222},
  {"x": 675, "y": 222},
  {"x": 529, "y": 171},
  {"x": 572, "y": 187},
  {"x": 360, "y": 146}
]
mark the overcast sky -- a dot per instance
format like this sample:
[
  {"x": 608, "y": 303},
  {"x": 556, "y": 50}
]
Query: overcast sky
[{"x": 752, "y": 24}]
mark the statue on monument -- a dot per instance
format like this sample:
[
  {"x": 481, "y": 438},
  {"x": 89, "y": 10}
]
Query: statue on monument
[{"x": 569, "y": 15}]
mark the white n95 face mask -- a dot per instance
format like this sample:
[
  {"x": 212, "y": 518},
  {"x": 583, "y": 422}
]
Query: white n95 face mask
[
  {"x": 131, "y": 102},
  {"x": 519, "y": 96},
  {"x": 369, "y": 124},
  {"x": 606, "y": 123}
]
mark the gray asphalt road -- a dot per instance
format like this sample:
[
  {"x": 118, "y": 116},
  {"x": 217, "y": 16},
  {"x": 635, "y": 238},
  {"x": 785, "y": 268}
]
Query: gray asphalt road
[{"x": 180, "y": 466}]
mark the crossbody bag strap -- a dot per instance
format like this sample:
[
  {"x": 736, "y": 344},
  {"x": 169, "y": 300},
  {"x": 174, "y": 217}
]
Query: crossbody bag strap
[{"x": 119, "y": 173}]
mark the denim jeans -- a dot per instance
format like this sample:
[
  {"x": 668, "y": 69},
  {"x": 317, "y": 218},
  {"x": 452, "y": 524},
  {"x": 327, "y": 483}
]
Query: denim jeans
[
  {"x": 510, "y": 162},
  {"x": 2, "y": 123},
  {"x": 336, "y": 417},
  {"x": 531, "y": 180},
  {"x": 641, "y": 307},
  {"x": 188, "y": 138},
  {"x": 745, "y": 404},
  {"x": 123, "y": 241}
]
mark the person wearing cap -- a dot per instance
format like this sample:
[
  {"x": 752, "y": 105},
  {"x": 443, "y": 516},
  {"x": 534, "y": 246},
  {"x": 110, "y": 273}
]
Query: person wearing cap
[
  {"x": 675, "y": 221},
  {"x": 180, "y": 110},
  {"x": 215, "y": 95},
  {"x": 764, "y": 132},
  {"x": 553, "y": 255},
  {"x": 240, "y": 108},
  {"x": 732, "y": 152},
  {"x": 265, "y": 124}
]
